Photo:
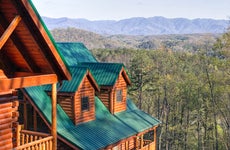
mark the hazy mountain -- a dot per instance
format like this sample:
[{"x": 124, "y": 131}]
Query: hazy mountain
[
  {"x": 175, "y": 42},
  {"x": 142, "y": 26}
]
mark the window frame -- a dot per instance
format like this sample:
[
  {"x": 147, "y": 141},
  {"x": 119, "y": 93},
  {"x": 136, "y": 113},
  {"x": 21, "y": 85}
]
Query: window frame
[
  {"x": 86, "y": 103},
  {"x": 119, "y": 95}
]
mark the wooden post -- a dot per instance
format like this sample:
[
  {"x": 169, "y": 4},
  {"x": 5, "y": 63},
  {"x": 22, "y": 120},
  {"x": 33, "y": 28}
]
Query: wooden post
[
  {"x": 54, "y": 115},
  {"x": 35, "y": 119},
  {"x": 155, "y": 137},
  {"x": 137, "y": 143},
  {"x": 127, "y": 145},
  {"x": 24, "y": 113},
  {"x": 9, "y": 31},
  {"x": 18, "y": 130},
  {"x": 111, "y": 101},
  {"x": 142, "y": 142}
]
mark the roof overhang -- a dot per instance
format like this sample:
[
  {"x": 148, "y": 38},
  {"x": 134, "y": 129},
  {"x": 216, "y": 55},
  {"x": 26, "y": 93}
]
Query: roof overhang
[
  {"x": 26, "y": 46},
  {"x": 93, "y": 81},
  {"x": 125, "y": 75}
]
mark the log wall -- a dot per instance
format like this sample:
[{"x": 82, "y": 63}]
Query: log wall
[
  {"x": 120, "y": 85},
  {"x": 104, "y": 96},
  {"x": 8, "y": 118},
  {"x": 66, "y": 103},
  {"x": 86, "y": 90},
  {"x": 108, "y": 97}
]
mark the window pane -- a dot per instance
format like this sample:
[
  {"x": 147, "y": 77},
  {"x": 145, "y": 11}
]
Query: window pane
[
  {"x": 85, "y": 103},
  {"x": 119, "y": 95}
]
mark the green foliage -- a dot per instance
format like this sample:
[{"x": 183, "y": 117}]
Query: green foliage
[
  {"x": 188, "y": 92},
  {"x": 222, "y": 46}
]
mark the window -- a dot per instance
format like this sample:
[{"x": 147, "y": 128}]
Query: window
[
  {"x": 84, "y": 103},
  {"x": 119, "y": 95}
]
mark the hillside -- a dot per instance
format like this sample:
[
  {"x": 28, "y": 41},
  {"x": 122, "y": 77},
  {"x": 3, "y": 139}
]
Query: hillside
[
  {"x": 188, "y": 42},
  {"x": 141, "y": 26}
]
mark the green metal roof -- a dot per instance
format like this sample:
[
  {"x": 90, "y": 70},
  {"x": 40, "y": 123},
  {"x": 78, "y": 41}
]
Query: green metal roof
[
  {"x": 106, "y": 129},
  {"x": 75, "y": 53},
  {"x": 71, "y": 86},
  {"x": 106, "y": 74},
  {"x": 136, "y": 119}
]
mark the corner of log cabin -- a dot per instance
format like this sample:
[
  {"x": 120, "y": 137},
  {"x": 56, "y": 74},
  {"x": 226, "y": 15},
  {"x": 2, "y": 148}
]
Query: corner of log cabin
[
  {"x": 121, "y": 84},
  {"x": 108, "y": 94},
  {"x": 85, "y": 89},
  {"x": 8, "y": 116},
  {"x": 66, "y": 101}
]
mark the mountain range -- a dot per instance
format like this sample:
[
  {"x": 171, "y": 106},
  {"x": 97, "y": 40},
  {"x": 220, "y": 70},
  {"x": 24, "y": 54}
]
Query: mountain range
[{"x": 141, "y": 26}]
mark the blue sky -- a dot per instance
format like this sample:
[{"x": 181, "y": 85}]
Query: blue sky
[{"x": 121, "y": 9}]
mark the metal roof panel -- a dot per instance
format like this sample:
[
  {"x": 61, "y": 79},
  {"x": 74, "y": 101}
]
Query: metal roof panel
[
  {"x": 75, "y": 53},
  {"x": 106, "y": 129},
  {"x": 106, "y": 74}
]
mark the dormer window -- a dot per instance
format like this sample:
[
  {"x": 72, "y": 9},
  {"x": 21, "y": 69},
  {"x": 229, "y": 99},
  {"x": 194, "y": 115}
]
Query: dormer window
[
  {"x": 85, "y": 103},
  {"x": 119, "y": 95}
]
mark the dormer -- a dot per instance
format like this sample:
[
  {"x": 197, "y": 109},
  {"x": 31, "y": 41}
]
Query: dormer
[
  {"x": 76, "y": 97},
  {"x": 113, "y": 81}
]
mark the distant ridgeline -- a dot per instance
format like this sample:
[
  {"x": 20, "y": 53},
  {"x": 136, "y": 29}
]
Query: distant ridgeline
[{"x": 141, "y": 26}]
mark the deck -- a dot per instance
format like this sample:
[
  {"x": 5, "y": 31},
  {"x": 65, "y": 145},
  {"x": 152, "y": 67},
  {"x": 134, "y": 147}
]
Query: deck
[
  {"x": 148, "y": 145},
  {"x": 26, "y": 140}
]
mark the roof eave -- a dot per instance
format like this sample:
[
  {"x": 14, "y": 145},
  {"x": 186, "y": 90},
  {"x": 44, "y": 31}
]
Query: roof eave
[
  {"x": 125, "y": 75},
  {"x": 95, "y": 85},
  {"x": 27, "y": 8}
]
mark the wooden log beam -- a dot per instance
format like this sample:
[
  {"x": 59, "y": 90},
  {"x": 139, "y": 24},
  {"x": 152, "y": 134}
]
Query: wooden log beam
[
  {"x": 31, "y": 65},
  {"x": 9, "y": 31},
  {"x": 32, "y": 145},
  {"x": 35, "y": 120},
  {"x": 34, "y": 133},
  {"x": 25, "y": 74},
  {"x": 21, "y": 82},
  {"x": 6, "y": 136},
  {"x": 137, "y": 142},
  {"x": 44, "y": 40},
  {"x": 111, "y": 102},
  {"x": 54, "y": 115},
  {"x": 18, "y": 130},
  {"x": 5, "y": 142},
  {"x": 6, "y": 131},
  {"x": 142, "y": 142},
  {"x": 25, "y": 113},
  {"x": 5, "y": 115},
  {"x": 5, "y": 63},
  {"x": 155, "y": 137}
]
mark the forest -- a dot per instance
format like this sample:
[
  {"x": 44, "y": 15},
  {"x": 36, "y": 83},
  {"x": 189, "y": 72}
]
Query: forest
[{"x": 189, "y": 91}]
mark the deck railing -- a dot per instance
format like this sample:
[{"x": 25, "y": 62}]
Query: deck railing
[
  {"x": 30, "y": 140},
  {"x": 42, "y": 144},
  {"x": 148, "y": 145}
]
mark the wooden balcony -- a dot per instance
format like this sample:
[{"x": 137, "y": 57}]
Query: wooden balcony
[
  {"x": 148, "y": 145},
  {"x": 30, "y": 140}
]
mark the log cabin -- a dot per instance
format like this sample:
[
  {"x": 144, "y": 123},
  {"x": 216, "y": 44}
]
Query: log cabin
[
  {"x": 113, "y": 81},
  {"x": 76, "y": 97},
  {"x": 112, "y": 77},
  {"x": 28, "y": 57},
  {"x": 95, "y": 124}
]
